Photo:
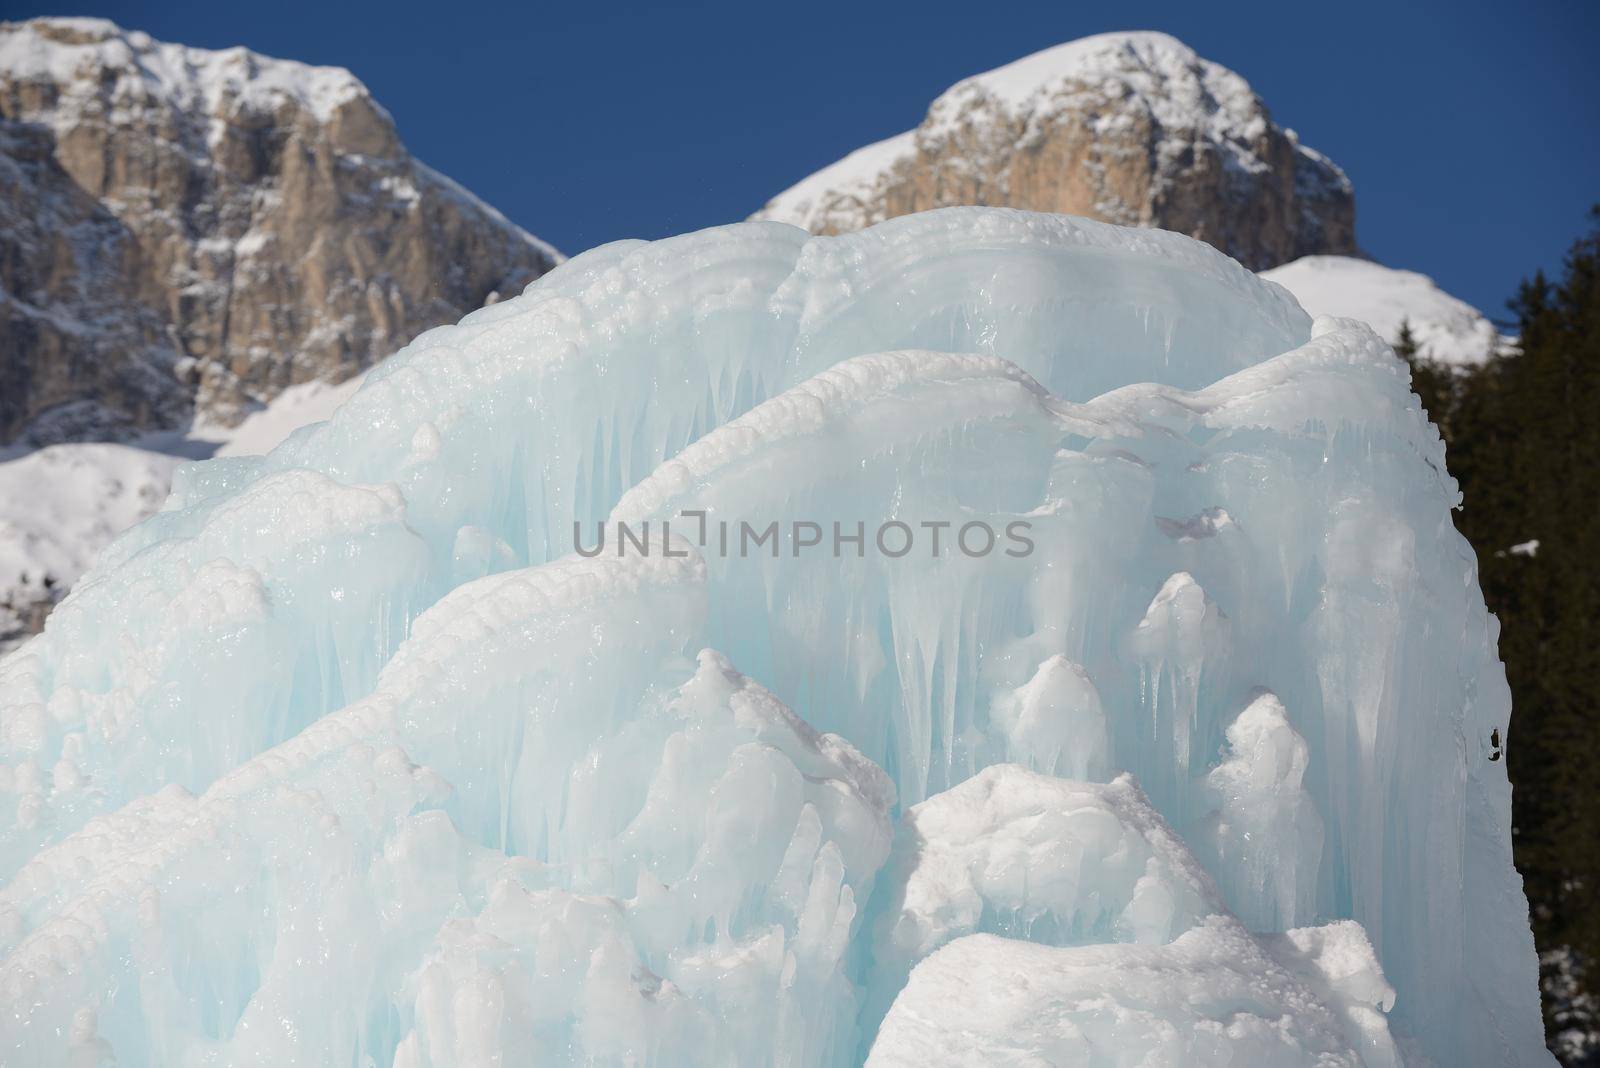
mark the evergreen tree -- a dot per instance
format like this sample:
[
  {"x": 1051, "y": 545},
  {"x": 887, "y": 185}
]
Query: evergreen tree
[
  {"x": 1433, "y": 384},
  {"x": 1524, "y": 444}
]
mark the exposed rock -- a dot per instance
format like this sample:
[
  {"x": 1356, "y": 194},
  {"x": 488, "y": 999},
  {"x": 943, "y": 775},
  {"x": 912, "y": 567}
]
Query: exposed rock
[
  {"x": 186, "y": 233},
  {"x": 1132, "y": 128}
]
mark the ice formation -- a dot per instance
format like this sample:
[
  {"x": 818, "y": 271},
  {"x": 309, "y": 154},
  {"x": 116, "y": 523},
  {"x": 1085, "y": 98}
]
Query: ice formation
[{"x": 359, "y": 752}]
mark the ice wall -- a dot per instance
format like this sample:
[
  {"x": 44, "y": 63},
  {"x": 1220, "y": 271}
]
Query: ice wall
[{"x": 361, "y": 685}]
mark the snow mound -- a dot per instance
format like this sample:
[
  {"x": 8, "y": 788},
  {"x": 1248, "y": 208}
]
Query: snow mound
[
  {"x": 1043, "y": 859},
  {"x": 1213, "y": 996},
  {"x": 1447, "y": 329},
  {"x": 1022, "y": 489},
  {"x": 59, "y": 506}
]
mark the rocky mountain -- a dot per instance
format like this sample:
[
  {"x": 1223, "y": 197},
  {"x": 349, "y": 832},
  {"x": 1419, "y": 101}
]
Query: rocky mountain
[
  {"x": 1132, "y": 128},
  {"x": 186, "y": 233}
]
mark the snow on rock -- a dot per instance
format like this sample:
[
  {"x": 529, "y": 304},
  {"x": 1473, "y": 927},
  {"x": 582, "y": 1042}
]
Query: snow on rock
[
  {"x": 362, "y": 687},
  {"x": 1447, "y": 329},
  {"x": 60, "y": 49},
  {"x": 1211, "y": 997},
  {"x": 1133, "y": 128}
]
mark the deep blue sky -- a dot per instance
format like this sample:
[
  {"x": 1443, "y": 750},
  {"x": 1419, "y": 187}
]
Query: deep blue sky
[{"x": 1471, "y": 129}]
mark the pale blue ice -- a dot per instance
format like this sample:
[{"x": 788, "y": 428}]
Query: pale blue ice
[{"x": 345, "y": 757}]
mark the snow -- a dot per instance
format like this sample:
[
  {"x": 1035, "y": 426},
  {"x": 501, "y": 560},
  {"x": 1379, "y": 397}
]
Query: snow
[
  {"x": 357, "y": 701},
  {"x": 1212, "y": 996},
  {"x": 262, "y": 430},
  {"x": 1447, "y": 329},
  {"x": 1034, "y": 857},
  {"x": 91, "y": 62},
  {"x": 855, "y": 177},
  {"x": 61, "y": 505}
]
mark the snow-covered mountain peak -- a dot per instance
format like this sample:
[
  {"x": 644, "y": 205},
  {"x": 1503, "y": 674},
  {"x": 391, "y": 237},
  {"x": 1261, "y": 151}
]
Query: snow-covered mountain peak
[
  {"x": 1152, "y": 73},
  {"x": 86, "y": 52},
  {"x": 1133, "y": 128}
]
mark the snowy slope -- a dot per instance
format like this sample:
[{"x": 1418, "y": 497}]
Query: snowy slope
[
  {"x": 848, "y": 185},
  {"x": 1448, "y": 329},
  {"x": 60, "y": 505},
  {"x": 261, "y": 431}
]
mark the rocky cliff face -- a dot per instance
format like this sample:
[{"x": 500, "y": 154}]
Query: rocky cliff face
[
  {"x": 1132, "y": 128},
  {"x": 185, "y": 233}
]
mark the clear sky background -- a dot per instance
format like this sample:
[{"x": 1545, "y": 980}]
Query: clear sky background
[{"x": 1471, "y": 129}]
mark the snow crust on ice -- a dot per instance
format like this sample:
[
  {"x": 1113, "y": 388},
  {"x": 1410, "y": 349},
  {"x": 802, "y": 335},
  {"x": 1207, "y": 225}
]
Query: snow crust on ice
[
  {"x": 357, "y": 702},
  {"x": 1447, "y": 329},
  {"x": 1039, "y": 858},
  {"x": 1212, "y": 996}
]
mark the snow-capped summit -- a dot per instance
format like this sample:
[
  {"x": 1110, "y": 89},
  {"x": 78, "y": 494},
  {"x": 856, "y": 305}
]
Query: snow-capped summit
[
  {"x": 1134, "y": 128},
  {"x": 219, "y": 83},
  {"x": 254, "y": 223},
  {"x": 1447, "y": 328},
  {"x": 1153, "y": 72}
]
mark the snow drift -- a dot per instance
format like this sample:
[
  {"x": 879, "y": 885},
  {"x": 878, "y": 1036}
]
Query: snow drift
[{"x": 346, "y": 756}]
